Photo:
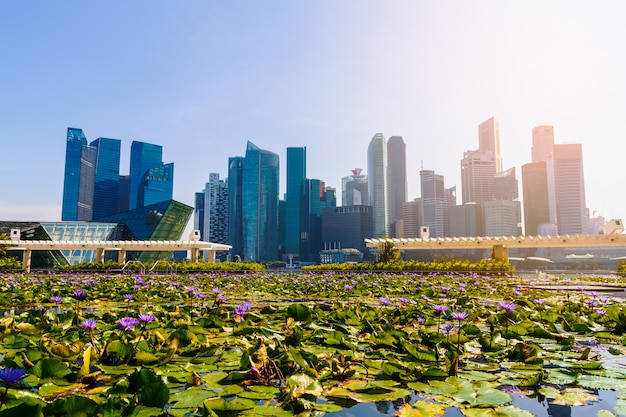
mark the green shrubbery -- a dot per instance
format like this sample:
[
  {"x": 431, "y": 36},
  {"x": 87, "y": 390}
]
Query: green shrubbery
[{"x": 451, "y": 265}]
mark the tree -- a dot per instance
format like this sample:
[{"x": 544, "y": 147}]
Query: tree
[{"x": 388, "y": 252}]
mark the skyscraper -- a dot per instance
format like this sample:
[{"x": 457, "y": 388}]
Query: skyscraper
[
  {"x": 156, "y": 185},
  {"x": 396, "y": 161},
  {"x": 107, "y": 177},
  {"x": 235, "y": 209},
  {"x": 354, "y": 189},
  {"x": 536, "y": 199},
  {"x": 378, "y": 184},
  {"x": 571, "y": 210},
  {"x": 260, "y": 204},
  {"x": 489, "y": 140},
  {"x": 78, "y": 184},
  {"x": 436, "y": 200},
  {"x": 143, "y": 157},
  {"x": 478, "y": 170},
  {"x": 211, "y": 212},
  {"x": 296, "y": 174}
]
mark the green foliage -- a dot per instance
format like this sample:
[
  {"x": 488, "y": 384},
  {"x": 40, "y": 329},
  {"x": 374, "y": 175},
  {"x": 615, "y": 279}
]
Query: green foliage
[{"x": 444, "y": 265}]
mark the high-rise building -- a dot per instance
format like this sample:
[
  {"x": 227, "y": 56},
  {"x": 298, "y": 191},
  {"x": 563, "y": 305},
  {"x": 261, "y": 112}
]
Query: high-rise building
[
  {"x": 412, "y": 218},
  {"x": 396, "y": 162},
  {"x": 478, "y": 170},
  {"x": 535, "y": 197},
  {"x": 489, "y": 140},
  {"x": 347, "y": 227},
  {"x": 211, "y": 212},
  {"x": 107, "y": 177},
  {"x": 143, "y": 157},
  {"x": 235, "y": 209},
  {"x": 466, "y": 220},
  {"x": 571, "y": 209},
  {"x": 311, "y": 221},
  {"x": 436, "y": 200},
  {"x": 78, "y": 185},
  {"x": 503, "y": 214},
  {"x": 296, "y": 175},
  {"x": 543, "y": 143},
  {"x": 378, "y": 184},
  {"x": 259, "y": 204},
  {"x": 354, "y": 189},
  {"x": 156, "y": 185}
]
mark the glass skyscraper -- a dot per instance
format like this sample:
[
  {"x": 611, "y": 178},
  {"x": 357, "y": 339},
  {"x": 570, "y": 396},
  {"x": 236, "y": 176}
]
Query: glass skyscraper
[
  {"x": 378, "y": 184},
  {"x": 259, "y": 199},
  {"x": 296, "y": 174},
  {"x": 78, "y": 184},
  {"x": 143, "y": 157},
  {"x": 235, "y": 216},
  {"x": 396, "y": 161},
  {"x": 107, "y": 177}
]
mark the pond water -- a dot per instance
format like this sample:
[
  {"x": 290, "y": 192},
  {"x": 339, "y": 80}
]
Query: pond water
[{"x": 545, "y": 408}]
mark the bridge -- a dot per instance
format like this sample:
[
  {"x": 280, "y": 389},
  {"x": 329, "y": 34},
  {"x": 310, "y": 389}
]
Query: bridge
[
  {"x": 120, "y": 246},
  {"x": 500, "y": 245}
]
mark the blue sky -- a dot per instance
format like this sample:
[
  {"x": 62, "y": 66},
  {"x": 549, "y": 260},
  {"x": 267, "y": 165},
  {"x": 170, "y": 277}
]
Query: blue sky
[{"x": 201, "y": 78}]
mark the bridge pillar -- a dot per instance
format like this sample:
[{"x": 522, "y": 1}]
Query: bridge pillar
[
  {"x": 212, "y": 255},
  {"x": 194, "y": 254},
  {"x": 100, "y": 255},
  {"x": 500, "y": 253},
  {"x": 121, "y": 256},
  {"x": 26, "y": 260}
]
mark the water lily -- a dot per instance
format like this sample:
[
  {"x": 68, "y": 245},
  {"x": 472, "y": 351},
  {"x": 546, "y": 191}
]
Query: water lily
[
  {"x": 10, "y": 375},
  {"x": 80, "y": 295},
  {"x": 88, "y": 325},
  {"x": 127, "y": 323}
]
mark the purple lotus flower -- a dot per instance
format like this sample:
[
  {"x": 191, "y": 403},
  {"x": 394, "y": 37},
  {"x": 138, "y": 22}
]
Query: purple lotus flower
[
  {"x": 221, "y": 298},
  {"x": 217, "y": 291},
  {"x": 591, "y": 303},
  {"x": 88, "y": 325},
  {"x": 508, "y": 307},
  {"x": 540, "y": 302},
  {"x": 56, "y": 299},
  {"x": 385, "y": 301},
  {"x": 11, "y": 376},
  {"x": 439, "y": 309},
  {"x": 242, "y": 309},
  {"x": 601, "y": 312},
  {"x": 129, "y": 297},
  {"x": 447, "y": 328},
  {"x": 460, "y": 316},
  {"x": 349, "y": 287},
  {"x": 421, "y": 320},
  {"x": 146, "y": 318},
  {"x": 127, "y": 323},
  {"x": 403, "y": 301},
  {"x": 80, "y": 294}
]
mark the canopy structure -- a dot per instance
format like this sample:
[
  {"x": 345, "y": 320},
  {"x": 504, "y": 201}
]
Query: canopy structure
[
  {"x": 502, "y": 244},
  {"x": 121, "y": 246}
]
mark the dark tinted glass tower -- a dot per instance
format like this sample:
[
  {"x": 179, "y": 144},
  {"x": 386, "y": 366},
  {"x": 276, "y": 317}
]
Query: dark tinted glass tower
[
  {"x": 235, "y": 216},
  {"x": 296, "y": 174},
  {"x": 78, "y": 184},
  {"x": 260, "y": 205},
  {"x": 157, "y": 185},
  {"x": 107, "y": 177},
  {"x": 143, "y": 156}
]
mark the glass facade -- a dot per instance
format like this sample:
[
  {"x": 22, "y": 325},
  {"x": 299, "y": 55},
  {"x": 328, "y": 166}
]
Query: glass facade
[
  {"x": 157, "y": 185},
  {"x": 260, "y": 205},
  {"x": 78, "y": 183},
  {"x": 235, "y": 216},
  {"x": 107, "y": 177},
  {"x": 378, "y": 184},
  {"x": 296, "y": 174},
  {"x": 143, "y": 156}
]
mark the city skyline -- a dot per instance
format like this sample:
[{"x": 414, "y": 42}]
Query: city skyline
[{"x": 291, "y": 75}]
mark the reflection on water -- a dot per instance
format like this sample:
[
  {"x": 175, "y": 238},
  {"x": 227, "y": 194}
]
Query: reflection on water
[{"x": 540, "y": 407}]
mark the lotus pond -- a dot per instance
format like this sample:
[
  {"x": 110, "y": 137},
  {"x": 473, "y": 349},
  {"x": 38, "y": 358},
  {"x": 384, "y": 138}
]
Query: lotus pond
[{"x": 310, "y": 344}]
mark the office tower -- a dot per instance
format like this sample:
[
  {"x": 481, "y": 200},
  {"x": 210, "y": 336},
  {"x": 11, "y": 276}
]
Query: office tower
[
  {"x": 260, "y": 204},
  {"x": 329, "y": 197},
  {"x": 235, "y": 209},
  {"x": 412, "y": 218},
  {"x": 354, "y": 189},
  {"x": 466, "y": 220},
  {"x": 214, "y": 227},
  {"x": 478, "y": 170},
  {"x": 156, "y": 185},
  {"x": 199, "y": 213},
  {"x": 536, "y": 198},
  {"x": 78, "y": 184},
  {"x": 107, "y": 177},
  {"x": 503, "y": 214},
  {"x": 543, "y": 143},
  {"x": 571, "y": 210},
  {"x": 123, "y": 196},
  {"x": 143, "y": 157},
  {"x": 489, "y": 140},
  {"x": 396, "y": 161},
  {"x": 310, "y": 220},
  {"x": 436, "y": 200},
  {"x": 296, "y": 174},
  {"x": 378, "y": 184},
  {"x": 347, "y": 227}
]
